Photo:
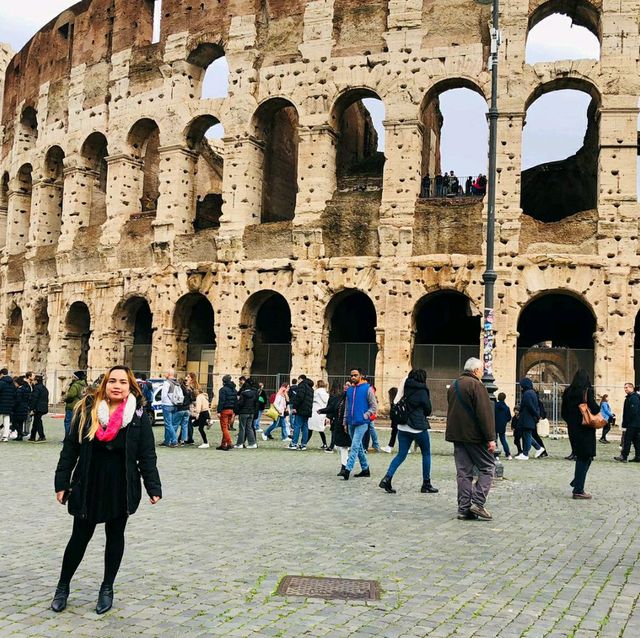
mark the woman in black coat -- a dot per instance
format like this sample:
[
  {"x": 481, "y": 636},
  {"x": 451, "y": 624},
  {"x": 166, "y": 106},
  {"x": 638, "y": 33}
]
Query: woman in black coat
[
  {"x": 583, "y": 439},
  {"x": 415, "y": 394},
  {"x": 334, "y": 411},
  {"x": 21, "y": 407},
  {"x": 109, "y": 447}
]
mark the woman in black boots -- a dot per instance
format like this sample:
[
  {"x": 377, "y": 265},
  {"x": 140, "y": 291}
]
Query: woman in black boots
[
  {"x": 109, "y": 447},
  {"x": 415, "y": 394}
]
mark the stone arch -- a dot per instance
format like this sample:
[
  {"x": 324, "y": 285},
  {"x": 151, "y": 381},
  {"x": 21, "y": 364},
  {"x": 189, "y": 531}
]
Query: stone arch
[
  {"x": 133, "y": 320},
  {"x": 28, "y": 128},
  {"x": 12, "y": 336},
  {"x": 265, "y": 324},
  {"x": 144, "y": 145},
  {"x": 209, "y": 170},
  {"x": 210, "y": 70},
  {"x": 584, "y": 13},
  {"x": 275, "y": 125},
  {"x": 21, "y": 210},
  {"x": 77, "y": 334},
  {"x": 350, "y": 333},
  {"x": 52, "y": 196},
  {"x": 556, "y": 326},
  {"x": 94, "y": 152}
]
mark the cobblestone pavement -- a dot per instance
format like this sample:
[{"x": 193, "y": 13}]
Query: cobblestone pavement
[{"x": 206, "y": 561}]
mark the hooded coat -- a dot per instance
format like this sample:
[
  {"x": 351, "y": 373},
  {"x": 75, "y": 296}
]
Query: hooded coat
[
  {"x": 227, "y": 397},
  {"x": 529, "y": 409},
  {"x": 7, "y": 395},
  {"x": 418, "y": 401},
  {"x": 22, "y": 405}
]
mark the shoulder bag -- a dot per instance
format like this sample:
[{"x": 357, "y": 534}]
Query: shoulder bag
[{"x": 595, "y": 421}]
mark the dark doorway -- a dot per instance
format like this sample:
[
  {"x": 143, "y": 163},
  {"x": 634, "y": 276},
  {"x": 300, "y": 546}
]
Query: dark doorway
[{"x": 272, "y": 338}]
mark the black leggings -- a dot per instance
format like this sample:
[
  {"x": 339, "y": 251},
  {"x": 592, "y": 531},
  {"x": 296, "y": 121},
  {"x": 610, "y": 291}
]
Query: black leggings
[
  {"x": 202, "y": 424},
  {"x": 80, "y": 537},
  {"x": 323, "y": 436}
]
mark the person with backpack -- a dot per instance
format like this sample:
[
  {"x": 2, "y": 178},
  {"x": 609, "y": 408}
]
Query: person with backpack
[
  {"x": 170, "y": 398},
  {"x": 411, "y": 409},
  {"x": 40, "y": 407},
  {"x": 303, "y": 407}
]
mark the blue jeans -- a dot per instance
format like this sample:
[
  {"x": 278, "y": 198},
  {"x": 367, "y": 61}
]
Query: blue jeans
[
  {"x": 301, "y": 423},
  {"x": 256, "y": 423},
  {"x": 503, "y": 442},
  {"x": 181, "y": 421},
  {"x": 68, "y": 414},
  {"x": 580, "y": 475},
  {"x": 528, "y": 441},
  {"x": 168, "y": 414},
  {"x": 374, "y": 437},
  {"x": 405, "y": 439},
  {"x": 357, "y": 432},
  {"x": 280, "y": 421}
]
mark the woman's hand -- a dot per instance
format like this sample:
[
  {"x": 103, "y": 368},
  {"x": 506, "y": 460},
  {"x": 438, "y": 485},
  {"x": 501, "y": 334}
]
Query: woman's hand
[
  {"x": 60, "y": 497},
  {"x": 154, "y": 499}
]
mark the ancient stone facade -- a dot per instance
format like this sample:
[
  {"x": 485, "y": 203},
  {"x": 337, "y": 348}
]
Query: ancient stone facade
[{"x": 127, "y": 227}]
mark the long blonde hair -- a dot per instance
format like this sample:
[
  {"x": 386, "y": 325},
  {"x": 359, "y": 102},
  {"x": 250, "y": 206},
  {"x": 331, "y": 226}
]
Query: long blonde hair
[
  {"x": 195, "y": 384},
  {"x": 87, "y": 407}
]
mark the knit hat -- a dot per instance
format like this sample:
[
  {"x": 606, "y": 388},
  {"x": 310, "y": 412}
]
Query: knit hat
[{"x": 80, "y": 374}]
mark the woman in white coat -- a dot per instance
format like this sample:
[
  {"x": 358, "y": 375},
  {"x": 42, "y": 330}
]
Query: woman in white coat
[{"x": 317, "y": 421}]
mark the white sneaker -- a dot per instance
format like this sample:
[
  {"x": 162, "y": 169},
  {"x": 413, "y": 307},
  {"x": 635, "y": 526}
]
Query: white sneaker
[
  {"x": 13, "y": 435},
  {"x": 539, "y": 452},
  {"x": 521, "y": 457},
  {"x": 238, "y": 447},
  {"x": 264, "y": 437},
  {"x": 4, "y": 439},
  {"x": 386, "y": 449},
  {"x": 287, "y": 440},
  {"x": 252, "y": 447},
  {"x": 259, "y": 430},
  {"x": 204, "y": 446}
]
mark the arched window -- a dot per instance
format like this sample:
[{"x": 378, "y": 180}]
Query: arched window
[
  {"x": 21, "y": 220},
  {"x": 51, "y": 203},
  {"x": 211, "y": 72},
  {"x": 94, "y": 153},
  {"x": 276, "y": 126},
  {"x": 77, "y": 332},
  {"x": 135, "y": 320},
  {"x": 12, "y": 339},
  {"x": 28, "y": 129},
  {"x": 144, "y": 141},
  {"x": 40, "y": 350},
  {"x": 204, "y": 136}
]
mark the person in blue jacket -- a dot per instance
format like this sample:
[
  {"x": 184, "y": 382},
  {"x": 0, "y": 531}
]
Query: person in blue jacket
[
  {"x": 529, "y": 416},
  {"x": 608, "y": 416},
  {"x": 503, "y": 417}
]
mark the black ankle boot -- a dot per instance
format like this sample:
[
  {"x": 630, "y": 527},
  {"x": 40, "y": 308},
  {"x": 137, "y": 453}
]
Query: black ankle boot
[
  {"x": 342, "y": 468},
  {"x": 427, "y": 488},
  {"x": 364, "y": 473},
  {"x": 105, "y": 599},
  {"x": 59, "y": 602},
  {"x": 385, "y": 484},
  {"x": 344, "y": 473}
]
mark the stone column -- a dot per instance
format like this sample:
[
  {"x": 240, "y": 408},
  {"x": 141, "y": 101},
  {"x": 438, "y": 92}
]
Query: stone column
[
  {"x": 45, "y": 225},
  {"x": 176, "y": 205},
  {"x": 164, "y": 353},
  {"x": 4, "y": 211},
  {"x": 318, "y": 30},
  {"x": 76, "y": 205},
  {"x": 18, "y": 218},
  {"x": 404, "y": 23},
  {"x": 124, "y": 192}
]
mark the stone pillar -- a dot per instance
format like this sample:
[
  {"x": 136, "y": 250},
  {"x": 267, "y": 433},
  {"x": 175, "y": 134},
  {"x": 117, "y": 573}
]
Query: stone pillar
[
  {"x": 124, "y": 192},
  {"x": 176, "y": 205},
  {"x": 164, "y": 353},
  {"x": 47, "y": 212},
  {"x": 4, "y": 212},
  {"x": 76, "y": 205},
  {"x": 317, "y": 38},
  {"x": 405, "y": 26},
  {"x": 18, "y": 218}
]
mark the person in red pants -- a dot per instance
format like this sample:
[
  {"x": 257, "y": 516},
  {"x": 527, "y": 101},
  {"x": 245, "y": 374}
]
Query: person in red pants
[{"x": 227, "y": 402}]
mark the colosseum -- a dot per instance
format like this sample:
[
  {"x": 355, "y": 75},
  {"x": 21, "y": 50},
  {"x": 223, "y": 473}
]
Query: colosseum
[{"x": 289, "y": 242}]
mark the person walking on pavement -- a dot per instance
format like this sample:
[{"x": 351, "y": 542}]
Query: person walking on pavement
[
  {"x": 503, "y": 417},
  {"x": 302, "y": 403},
  {"x": 30, "y": 378},
  {"x": 182, "y": 416},
  {"x": 72, "y": 397},
  {"x": 529, "y": 416},
  {"x": 583, "y": 438},
  {"x": 608, "y": 416},
  {"x": 246, "y": 409},
  {"x": 7, "y": 402},
  {"x": 227, "y": 403},
  {"x": 40, "y": 407},
  {"x": 171, "y": 396},
  {"x": 471, "y": 428},
  {"x": 631, "y": 423},
  {"x": 361, "y": 405},
  {"x": 263, "y": 404},
  {"x": 317, "y": 422},
  {"x": 109, "y": 448},
  {"x": 200, "y": 413},
  {"x": 335, "y": 413},
  {"x": 415, "y": 393}
]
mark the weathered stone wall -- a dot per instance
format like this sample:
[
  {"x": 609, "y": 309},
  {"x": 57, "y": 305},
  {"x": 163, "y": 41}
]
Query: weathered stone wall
[{"x": 92, "y": 74}]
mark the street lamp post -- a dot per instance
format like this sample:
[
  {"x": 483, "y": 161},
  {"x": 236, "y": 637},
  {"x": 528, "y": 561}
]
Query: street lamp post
[{"x": 489, "y": 276}]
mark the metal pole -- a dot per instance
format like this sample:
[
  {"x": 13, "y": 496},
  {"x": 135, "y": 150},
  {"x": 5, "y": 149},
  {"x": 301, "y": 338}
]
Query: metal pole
[{"x": 489, "y": 276}]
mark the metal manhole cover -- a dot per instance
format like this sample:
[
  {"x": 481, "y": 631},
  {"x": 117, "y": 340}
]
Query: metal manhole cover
[{"x": 318, "y": 587}]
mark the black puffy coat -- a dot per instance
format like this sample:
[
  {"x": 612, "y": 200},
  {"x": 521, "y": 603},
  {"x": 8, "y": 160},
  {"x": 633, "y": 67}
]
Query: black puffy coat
[
  {"x": 247, "y": 401},
  {"x": 227, "y": 397},
  {"x": 22, "y": 406},
  {"x": 303, "y": 399},
  {"x": 583, "y": 439},
  {"x": 7, "y": 395},
  {"x": 140, "y": 453},
  {"x": 418, "y": 401},
  {"x": 40, "y": 399},
  {"x": 631, "y": 411}
]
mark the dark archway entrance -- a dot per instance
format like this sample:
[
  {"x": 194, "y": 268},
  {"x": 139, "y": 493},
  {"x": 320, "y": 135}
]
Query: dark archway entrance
[
  {"x": 12, "y": 340},
  {"x": 77, "y": 335},
  {"x": 136, "y": 323}
]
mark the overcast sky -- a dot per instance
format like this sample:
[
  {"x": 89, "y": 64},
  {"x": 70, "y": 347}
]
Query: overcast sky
[{"x": 464, "y": 138}]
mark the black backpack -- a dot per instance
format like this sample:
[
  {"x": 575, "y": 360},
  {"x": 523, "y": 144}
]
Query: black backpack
[{"x": 400, "y": 412}]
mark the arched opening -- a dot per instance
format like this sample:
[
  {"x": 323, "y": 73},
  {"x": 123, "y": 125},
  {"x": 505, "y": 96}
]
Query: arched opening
[
  {"x": 77, "y": 327},
  {"x": 357, "y": 120},
  {"x": 22, "y": 210},
  {"x": 144, "y": 142},
  {"x": 276, "y": 127},
  {"x": 4, "y": 208},
  {"x": 40, "y": 349},
  {"x": 28, "y": 128},
  {"x": 555, "y": 338},
  {"x": 135, "y": 319},
  {"x": 212, "y": 74},
  {"x": 12, "y": 339},
  {"x": 51, "y": 202},
  {"x": 563, "y": 30},
  {"x": 204, "y": 136},
  {"x": 194, "y": 322},
  {"x": 94, "y": 152},
  {"x": 560, "y": 179},
  {"x": 455, "y": 143},
  {"x": 447, "y": 333},
  {"x": 351, "y": 318}
]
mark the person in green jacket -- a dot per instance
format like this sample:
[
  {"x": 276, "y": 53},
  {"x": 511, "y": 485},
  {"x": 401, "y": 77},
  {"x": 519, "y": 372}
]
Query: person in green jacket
[{"x": 72, "y": 396}]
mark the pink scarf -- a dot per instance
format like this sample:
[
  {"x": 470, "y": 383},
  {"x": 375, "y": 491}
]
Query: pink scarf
[{"x": 110, "y": 431}]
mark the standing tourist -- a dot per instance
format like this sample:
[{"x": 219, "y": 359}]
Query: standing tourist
[
  {"x": 109, "y": 447},
  {"x": 200, "y": 413},
  {"x": 280, "y": 404},
  {"x": 171, "y": 396},
  {"x": 361, "y": 405},
  {"x": 302, "y": 403},
  {"x": 182, "y": 416},
  {"x": 583, "y": 439},
  {"x": 246, "y": 411},
  {"x": 631, "y": 425},
  {"x": 227, "y": 403},
  {"x": 471, "y": 428},
  {"x": 263, "y": 404},
  {"x": 503, "y": 417},
  {"x": 21, "y": 408},
  {"x": 7, "y": 402},
  {"x": 318, "y": 419},
  {"x": 31, "y": 381},
  {"x": 528, "y": 417},
  {"x": 608, "y": 416},
  {"x": 40, "y": 407},
  {"x": 335, "y": 413},
  {"x": 415, "y": 394},
  {"x": 72, "y": 397}
]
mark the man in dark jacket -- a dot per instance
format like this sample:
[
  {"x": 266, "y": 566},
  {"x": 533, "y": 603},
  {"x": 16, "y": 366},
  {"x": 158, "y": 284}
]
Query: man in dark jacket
[
  {"x": 471, "y": 428},
  {"x": 227, "y": 402},
  {"x": 529, "y": 416},
  {"x": 631, "y": 423},
  {"x": 246, "y": 410},
  {"x": 7, "y": 402},
  {"x": 40, "y": 406},
  {"x": 302, "y": 405}
]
